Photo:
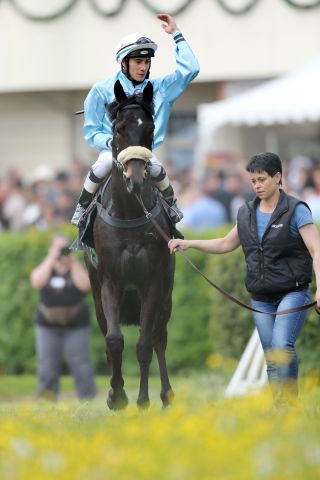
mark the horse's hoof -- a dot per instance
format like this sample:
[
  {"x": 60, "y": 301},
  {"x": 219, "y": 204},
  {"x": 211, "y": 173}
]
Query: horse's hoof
[
  {"x": 117, "y": 402},
  {"x": 143, "y": 404},
  {"x": 167, "y": 398}
]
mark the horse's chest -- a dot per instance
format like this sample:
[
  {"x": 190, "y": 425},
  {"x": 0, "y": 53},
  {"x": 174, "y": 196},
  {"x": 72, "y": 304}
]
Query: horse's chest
[{"x": 134, "y": 262}]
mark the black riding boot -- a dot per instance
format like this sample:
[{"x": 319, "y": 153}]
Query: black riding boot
[
  {"x": 91, "y": 183},
  {"x": 175, "y": 213},
  {"x": 83, "y": 203}
]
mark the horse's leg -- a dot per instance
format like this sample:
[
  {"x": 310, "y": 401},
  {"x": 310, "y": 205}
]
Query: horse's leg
[
  {"x": 160, "y": 345},
  {"x": 144, "y": 347},
  {"x": 96, "y": 293},
  {"x": 117, "y": 398}
]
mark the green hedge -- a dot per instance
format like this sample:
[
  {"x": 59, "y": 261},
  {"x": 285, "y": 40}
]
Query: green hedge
[{"x": 202, "y": 322}]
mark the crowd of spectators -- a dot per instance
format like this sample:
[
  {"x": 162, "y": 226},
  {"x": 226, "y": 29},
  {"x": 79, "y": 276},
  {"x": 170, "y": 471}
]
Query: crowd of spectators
[
  {"x": 47, "y": 197},
  {"x": 44, "y": 198}
]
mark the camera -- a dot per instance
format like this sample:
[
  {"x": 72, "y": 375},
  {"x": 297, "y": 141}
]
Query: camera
[{"x": 65, "y": 251}]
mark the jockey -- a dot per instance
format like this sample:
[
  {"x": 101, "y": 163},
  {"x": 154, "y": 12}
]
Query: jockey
[{"x": 134, "y": 55}]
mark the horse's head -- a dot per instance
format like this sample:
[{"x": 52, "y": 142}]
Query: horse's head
[{"x": 133, "y": 128}]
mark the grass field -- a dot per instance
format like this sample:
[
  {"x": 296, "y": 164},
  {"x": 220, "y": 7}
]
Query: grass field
[
  {"x": 201, "y": 436},
  {"x": 22, "y": 388}
]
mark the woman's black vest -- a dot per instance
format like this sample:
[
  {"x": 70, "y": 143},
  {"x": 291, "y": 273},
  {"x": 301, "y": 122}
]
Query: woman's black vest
[{"x": 281, "y": 262}]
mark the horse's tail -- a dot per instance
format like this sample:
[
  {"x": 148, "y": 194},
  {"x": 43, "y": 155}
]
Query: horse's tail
[{"x": 130, "y": 308}]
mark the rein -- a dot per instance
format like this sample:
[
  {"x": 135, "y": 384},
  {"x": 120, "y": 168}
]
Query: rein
[{"x": 230, "y": 297}]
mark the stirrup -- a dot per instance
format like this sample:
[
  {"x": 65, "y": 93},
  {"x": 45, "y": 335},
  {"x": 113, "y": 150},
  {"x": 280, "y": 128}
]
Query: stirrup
[
  {"x": 78, "y": 215},
  {"x": 175, "y": 213}
]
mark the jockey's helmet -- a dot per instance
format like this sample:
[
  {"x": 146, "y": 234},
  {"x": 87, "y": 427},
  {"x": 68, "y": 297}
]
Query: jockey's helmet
[{"x": 135, "y": 45}]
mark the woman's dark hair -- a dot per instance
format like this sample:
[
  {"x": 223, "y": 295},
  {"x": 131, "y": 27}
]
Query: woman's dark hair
[{"x": 265, "y": 162}]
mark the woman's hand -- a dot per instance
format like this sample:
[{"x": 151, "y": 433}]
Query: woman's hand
[{"x": 177, "y": 243}]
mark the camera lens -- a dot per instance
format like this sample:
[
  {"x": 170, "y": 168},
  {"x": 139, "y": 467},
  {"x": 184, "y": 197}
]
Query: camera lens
[{"x": 65, "y": 251}]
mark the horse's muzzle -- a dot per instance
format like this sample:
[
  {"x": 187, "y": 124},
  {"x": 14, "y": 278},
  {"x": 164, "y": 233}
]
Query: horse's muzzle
[
  {"x": 135, "y": 175},
  {"x": 133, "y": 186}
]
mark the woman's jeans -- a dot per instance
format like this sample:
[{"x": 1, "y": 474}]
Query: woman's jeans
[{"x": 278, "y": 334}]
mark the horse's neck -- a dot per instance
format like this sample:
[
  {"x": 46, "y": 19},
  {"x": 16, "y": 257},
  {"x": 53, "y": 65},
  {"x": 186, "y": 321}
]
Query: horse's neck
[{"x": 124, "y": 205}]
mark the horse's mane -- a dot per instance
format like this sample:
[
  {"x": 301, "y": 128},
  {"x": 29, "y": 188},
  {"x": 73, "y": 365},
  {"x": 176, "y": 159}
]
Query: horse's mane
[{"x": 114, "y": 107}]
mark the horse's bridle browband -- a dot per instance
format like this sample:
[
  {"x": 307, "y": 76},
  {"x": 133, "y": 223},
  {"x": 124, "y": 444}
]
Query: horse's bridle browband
[
  {"x": 133, "y": 103},
  {"x": 137, "y": 104},
  {"x": 214, "y": 285}
]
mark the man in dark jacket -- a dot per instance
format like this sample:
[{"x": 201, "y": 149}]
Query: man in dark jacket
[{"x": 281, "y": 244}]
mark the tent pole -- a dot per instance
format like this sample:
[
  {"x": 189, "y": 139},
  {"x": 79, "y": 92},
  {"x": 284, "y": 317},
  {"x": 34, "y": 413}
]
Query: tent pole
[{"x": 271, "y": 140}]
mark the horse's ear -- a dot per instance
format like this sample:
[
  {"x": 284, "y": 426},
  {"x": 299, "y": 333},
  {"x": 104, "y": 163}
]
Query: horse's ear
[
  {"x": 119, "y": 92},
  {"x": 148, "y": 92}
]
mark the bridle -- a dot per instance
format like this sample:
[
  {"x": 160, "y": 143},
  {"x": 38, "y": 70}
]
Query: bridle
[
  {"x": 131, "y": 103},
  {"x": 230, "y": 297}
]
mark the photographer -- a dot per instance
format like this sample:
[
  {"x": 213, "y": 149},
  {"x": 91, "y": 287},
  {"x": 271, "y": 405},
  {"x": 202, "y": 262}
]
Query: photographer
[{"x": 62, "y": 321}]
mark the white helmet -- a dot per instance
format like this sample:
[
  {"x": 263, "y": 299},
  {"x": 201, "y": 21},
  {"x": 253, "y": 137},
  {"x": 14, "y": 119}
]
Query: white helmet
[{"x": 135, "y": 45}]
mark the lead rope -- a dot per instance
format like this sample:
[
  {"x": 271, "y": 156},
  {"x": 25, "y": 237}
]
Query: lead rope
[{"x": 214, "y": 285}]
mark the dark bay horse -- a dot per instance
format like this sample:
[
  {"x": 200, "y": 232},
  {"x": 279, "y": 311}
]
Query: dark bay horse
[{"x": 133, "y": 279}]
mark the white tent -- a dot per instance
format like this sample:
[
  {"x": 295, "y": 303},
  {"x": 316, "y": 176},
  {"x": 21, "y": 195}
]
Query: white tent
[
  {"x": 290, "y": 99},
  {"x": 251, "y": 372}
]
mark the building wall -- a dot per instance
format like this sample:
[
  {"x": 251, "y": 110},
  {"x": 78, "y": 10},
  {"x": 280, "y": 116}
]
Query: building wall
[
  {"x": 47, "y": 67},
  {"x": 40, "y": 128},
  {"x": 76, "y": 49}
]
